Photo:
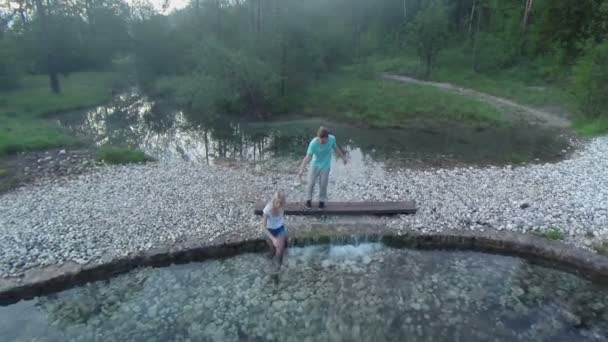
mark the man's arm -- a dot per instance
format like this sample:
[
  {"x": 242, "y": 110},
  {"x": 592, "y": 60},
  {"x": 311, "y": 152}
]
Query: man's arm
[
  {"x": 340, "y": 153},
  {"x": 304, "y": 164}
]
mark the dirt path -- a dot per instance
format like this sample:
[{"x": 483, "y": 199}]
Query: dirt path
[{"x": 522, "y": 112}]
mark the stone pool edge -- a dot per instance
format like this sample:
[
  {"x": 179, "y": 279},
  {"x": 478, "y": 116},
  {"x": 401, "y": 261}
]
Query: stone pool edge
[{"x": 46, "y": 280}]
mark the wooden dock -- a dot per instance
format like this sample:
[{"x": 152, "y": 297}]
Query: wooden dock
[{"x": 346, "y": 208}]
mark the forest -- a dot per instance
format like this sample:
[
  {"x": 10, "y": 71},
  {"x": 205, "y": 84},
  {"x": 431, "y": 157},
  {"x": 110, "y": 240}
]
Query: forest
[{"x": 264, "y": 58}]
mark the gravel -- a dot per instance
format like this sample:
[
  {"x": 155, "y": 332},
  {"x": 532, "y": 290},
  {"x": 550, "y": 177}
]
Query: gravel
[
  {"x": 118, "y": 210},
  {"x": 35, "y": 166}
]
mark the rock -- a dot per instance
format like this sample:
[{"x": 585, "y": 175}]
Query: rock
[
  {"x": 366, "y": 260},
  {"x": 126, "y": 209}
]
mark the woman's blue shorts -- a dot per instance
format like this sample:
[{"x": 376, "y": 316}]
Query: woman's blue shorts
[{"x": 278, "y": 232}]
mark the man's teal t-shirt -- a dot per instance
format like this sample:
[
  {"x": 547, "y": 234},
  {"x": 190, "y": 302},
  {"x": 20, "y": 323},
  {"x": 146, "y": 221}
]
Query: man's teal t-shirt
[{"x": 322, "y": 152}]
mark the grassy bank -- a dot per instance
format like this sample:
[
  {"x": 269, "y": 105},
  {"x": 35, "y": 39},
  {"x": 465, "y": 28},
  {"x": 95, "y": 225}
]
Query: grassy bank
[
  {"x": 121, "y": 155},
  {"x": 524, "y": 84},
  {"x": 25, "y": 122},
  {"x": 381, "y": 104},
  {"x": 591, "y": 127}
]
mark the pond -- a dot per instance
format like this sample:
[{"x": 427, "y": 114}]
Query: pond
[
  {"x": 368, "y": 292},
  {"x": 168, "y": 133}
]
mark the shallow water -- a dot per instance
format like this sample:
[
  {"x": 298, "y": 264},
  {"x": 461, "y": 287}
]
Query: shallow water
[
  {"x": 324, "y": 293},
  {"x": 168, "y": 133}
]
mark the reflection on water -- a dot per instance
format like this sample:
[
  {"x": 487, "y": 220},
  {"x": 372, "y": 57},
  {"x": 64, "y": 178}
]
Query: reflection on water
[
  {"x": 366, "y": 292},
  {"x": 167, "y": 133}
]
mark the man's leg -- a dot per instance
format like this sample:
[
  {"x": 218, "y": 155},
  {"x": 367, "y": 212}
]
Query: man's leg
[
  {"x": 324, "y": 175},
  {"x": 313, "y": 173}
]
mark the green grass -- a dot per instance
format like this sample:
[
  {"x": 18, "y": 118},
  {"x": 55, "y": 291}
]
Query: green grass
[
  {"x": 521, "y": 84},
  {"x": 120, "y": 155},
  {"x": 524, "y": 84},
  {"x": 25, "y": 122},
  {"x": 382, "y": 104},
  {"x": 588, "y": 127},
  {"x": 553, "y": 235}
]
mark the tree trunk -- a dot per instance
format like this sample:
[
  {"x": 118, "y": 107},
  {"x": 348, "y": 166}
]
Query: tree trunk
[
  {"x": 283, "y": 65},
  {"x": 473, "y": 8},
  {"x": 22, "y": 11},
  {"x": 475, "y": 40},
  {"x": 218, "y": 17},
  {"x": 528, "y": 9},
  {"x": 429, "y": 65},
  {"x": 253, "y": 27},
  {"x": 258, "y": 27},
  {"x": 50, "y": 57},
  {"x": 281, "y": 23},
  {"x": 356, "y": 33},
  {"x": 524, "y": 26}
]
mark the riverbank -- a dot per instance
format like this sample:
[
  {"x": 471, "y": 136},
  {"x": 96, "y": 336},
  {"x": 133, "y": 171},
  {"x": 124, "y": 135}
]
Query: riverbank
[
  {"x": 26, "y": 113},
  {"x": 368, "y": 100},
  {"x": 38, "y": 166},
  {"x": 120, "y": 210},
  {"x": 536, "y": 85}
]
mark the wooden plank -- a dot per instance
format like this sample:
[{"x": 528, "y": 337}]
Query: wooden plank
[{"x": 346, "y": 208}]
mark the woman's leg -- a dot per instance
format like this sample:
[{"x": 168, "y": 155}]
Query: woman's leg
[
  {"x": 281, "y": 246},
  {"x": 273, "y": 251}
]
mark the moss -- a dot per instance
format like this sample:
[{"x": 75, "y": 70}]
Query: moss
[
  {"x": 553, "y": 234},
  {"x": 601, "y": 248},
  {"x": 120, "y": 155}
]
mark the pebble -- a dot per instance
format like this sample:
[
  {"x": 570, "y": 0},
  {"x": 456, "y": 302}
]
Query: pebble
[{"x": 119, "y": 210}]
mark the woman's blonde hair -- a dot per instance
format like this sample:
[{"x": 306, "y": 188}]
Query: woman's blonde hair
[{"x": 278, "y": 199}]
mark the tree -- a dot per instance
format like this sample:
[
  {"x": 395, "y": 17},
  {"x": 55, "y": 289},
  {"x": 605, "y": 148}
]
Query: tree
[
  {"x": 527, "y": 11},
  {"x": 430, "y": 33},
  {"x": 591, "y": 74},
  {"x": 51, "y": 66},
  {"x": 9, "y": 71}
]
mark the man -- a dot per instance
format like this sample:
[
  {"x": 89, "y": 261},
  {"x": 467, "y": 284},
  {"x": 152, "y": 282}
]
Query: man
[{"x": 320, "y": 152}]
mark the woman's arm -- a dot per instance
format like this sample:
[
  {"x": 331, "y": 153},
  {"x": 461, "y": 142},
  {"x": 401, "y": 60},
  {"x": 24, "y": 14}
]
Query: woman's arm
[{"x": 264, "y": 224}]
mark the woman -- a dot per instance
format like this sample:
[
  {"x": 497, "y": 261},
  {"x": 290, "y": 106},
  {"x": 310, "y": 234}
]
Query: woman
[{"x": 274, "y": 226}]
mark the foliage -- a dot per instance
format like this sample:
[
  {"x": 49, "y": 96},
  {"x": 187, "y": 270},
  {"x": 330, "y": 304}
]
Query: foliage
[
  {"x": 591, "y": 77},
  {"x": 254, "y": 57},
  {"x": 591, "y": 127},
  {"x": 9, "y": 71},
  {"x": 430, "y": 33}
]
